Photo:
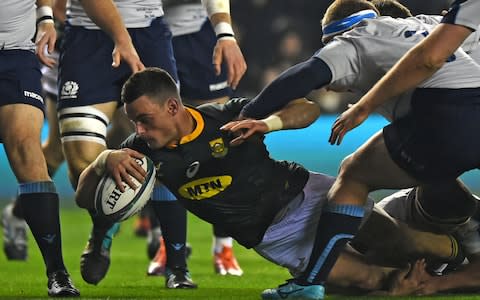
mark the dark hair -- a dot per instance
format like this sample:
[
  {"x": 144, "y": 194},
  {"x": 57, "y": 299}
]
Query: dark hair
[
  {"x": 392, "y": 8},
  {"x": 340, "y": 9},
  {"x": 153, "y": 82}
]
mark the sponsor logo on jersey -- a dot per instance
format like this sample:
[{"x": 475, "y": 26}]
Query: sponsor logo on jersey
[
  {"x": 193, "y": 169},
  {"x": 69, "y": 90},
  {"x": 205, "y": 188},
  {"x": 33, "y": 95},
  {"x": 218, "y": 148}
]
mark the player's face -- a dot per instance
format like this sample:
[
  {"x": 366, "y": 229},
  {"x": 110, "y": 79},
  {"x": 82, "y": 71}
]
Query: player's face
[{"x": 153, "y": 122}]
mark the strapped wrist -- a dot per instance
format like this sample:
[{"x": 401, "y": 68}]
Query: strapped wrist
[
  {"x": 224, "y": 30},
  {"x": 99, "y": 163},
  {"x": 44, "y": 15},
  {"x": 273, "y": 123}
]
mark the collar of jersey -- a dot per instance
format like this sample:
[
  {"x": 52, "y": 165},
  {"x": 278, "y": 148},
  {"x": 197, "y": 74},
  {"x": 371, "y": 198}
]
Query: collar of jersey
[{"x": 197, "y": 117}]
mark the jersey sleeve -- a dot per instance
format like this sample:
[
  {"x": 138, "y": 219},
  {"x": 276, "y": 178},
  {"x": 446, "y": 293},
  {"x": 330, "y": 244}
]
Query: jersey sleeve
[
  {"x": 342, "y": 59},
  {"x": 465, "y": 13},
  {"x": 296, "y": 82}
]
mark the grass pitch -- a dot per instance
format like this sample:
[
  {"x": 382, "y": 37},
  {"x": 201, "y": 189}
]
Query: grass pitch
[{"x": 127, "y": 278}]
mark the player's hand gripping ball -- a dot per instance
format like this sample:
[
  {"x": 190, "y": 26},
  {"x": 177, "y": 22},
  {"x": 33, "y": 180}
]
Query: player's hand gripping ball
[{"x": 116, "y": 206}]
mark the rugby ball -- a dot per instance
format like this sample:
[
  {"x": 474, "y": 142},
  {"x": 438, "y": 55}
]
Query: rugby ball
[{"x": 116, "y": 206}]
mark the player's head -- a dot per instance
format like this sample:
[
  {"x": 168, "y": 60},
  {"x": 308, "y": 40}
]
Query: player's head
[
  {"x": 443, "y": 206},
  {"x": 392, "y": 8},
  {"x": 342, "y": 15},
  {"x": 152, "y": 102}
]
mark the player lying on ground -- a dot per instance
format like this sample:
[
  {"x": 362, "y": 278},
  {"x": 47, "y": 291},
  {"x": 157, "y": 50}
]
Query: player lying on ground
[{"x": 271, "y": 206}]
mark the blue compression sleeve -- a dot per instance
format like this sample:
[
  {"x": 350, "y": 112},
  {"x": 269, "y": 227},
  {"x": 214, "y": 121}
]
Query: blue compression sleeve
[{"x": 296, "y": 82}]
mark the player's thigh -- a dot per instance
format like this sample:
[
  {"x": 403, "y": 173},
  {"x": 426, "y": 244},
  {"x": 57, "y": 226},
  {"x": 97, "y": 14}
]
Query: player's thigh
[{"x": 372, "y": 165}]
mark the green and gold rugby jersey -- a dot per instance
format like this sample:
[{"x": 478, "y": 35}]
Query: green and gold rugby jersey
[{"x": 239, "y": 188}]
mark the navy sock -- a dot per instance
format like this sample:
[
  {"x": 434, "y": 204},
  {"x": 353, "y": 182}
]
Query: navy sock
[
  {"x": 338, "y": 224},
  {"x": 40, "y": 207},
  {"x": 173, "y": 222}
]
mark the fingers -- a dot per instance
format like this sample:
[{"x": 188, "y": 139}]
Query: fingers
[
  {"x": 115, "y": 59},
  {"x": 228, "y": 51},
  {"x": 337, "y": 134}
]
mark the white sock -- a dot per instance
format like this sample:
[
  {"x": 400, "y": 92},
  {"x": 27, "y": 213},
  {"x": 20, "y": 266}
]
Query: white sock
[{"x": 220, "y": 242}]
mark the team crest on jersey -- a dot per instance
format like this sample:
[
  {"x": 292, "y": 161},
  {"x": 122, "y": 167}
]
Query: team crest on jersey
[
  {"x": 205, "y": 188},
  {"x": 69, "y": 90},
  {"x": 218, "y": 148}
]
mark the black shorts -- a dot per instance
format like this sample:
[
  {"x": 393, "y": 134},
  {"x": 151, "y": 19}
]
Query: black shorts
[{"x": 439, "y": 138}]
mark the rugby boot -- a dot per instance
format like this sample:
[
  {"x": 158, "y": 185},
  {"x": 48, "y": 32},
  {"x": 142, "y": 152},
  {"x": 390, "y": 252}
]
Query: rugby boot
[
  {"x": 60, "y": 285},
  {"x": 225, "y": 262},
  {"x": 14, "y": 235},
  {"x": 95, "y": 259},
  {"x": 291, "y": 290}
]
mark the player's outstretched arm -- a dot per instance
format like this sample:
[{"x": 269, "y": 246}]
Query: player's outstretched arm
[
  {"x": 466, "y": 278},
  {"x": 105, "y": 14},
  {"x": 299, "y": 113},
  {"x": 119, "y": 164}
]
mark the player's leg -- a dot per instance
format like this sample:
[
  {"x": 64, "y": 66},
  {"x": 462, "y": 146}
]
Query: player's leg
[
  {"x": 224, "y": 261},
  {"x": 369, "y": 168},
  {"x": 200, "y": 85},
  {"x": 387, "y": 241},
  {"x": 173, "y": 222},
  {"x": 155, "y": 49},
  {"x": 37, "y": 197},
  {"x": 85, "y": 107},
  {"x": 52, "y": 146}
]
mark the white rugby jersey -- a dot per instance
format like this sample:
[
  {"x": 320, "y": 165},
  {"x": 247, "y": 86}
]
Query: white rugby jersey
[
  {"x": 135, "y": 14},
  {"x": 400, "y": 204},
  {"x": 464, "y": 12},
  {"x": 361, "y": 56},
  {"x": 185, "y": 17},
  {"x": 17, "y": 24}
]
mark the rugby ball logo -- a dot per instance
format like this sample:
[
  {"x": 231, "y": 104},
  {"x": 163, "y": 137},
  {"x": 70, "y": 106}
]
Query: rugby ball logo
[{"x": 111, "y": 203}]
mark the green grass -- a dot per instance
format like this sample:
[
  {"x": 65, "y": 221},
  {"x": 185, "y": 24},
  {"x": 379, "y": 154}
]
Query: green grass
[{"x": 126, "y": 277}]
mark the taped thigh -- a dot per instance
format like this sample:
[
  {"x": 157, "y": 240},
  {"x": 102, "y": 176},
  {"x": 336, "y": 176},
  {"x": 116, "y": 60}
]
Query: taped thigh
[{"x": 83, "y": 123}]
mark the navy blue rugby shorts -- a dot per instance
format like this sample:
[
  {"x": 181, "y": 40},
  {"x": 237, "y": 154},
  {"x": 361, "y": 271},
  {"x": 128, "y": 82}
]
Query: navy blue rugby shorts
[
  {"x": 193, "y": 53},
  {"x": 20, "y": 78},
  {"x": 439, "y": 138},
  {"x": 85, "y": 71}
]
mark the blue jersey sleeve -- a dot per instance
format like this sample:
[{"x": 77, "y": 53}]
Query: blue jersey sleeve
[{"x": 296, "y": 82}]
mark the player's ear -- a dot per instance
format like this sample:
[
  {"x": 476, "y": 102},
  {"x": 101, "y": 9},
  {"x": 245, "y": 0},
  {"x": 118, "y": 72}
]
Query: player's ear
[{"x": 172, "y": 106}]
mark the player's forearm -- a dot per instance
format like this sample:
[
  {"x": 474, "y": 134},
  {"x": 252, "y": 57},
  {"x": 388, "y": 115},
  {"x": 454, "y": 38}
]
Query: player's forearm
[
  {"x": 466, "y": 278},
  {"x": 105, "y": 14},
  {"x": 299, "y": 113},
  {"x": 87, "y": 185}
]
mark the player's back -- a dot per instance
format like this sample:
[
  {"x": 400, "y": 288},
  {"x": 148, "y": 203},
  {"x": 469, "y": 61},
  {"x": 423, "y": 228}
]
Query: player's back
[
  {"x": 135, "y": 14},
  {"x": 17, "y": 24},
  {"x": 361, "y": 56}
]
